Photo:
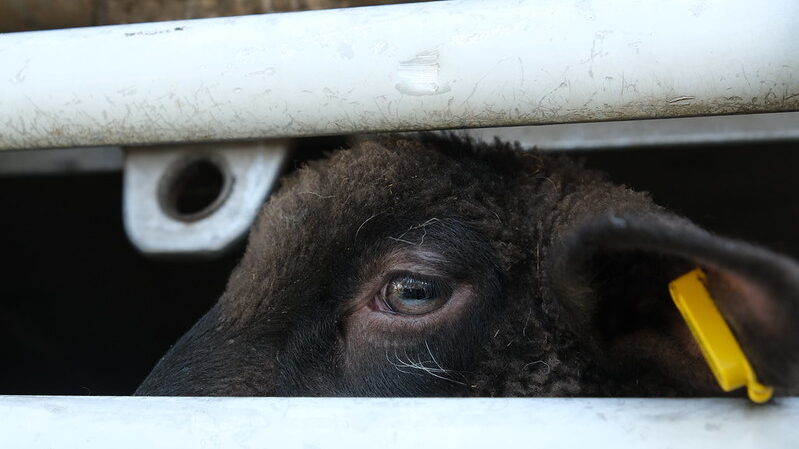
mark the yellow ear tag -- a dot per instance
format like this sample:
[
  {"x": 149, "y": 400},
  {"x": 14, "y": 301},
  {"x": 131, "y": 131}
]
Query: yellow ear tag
[{"x": 719, "y": 346}]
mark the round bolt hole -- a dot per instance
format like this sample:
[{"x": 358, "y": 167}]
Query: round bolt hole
[{"x": 194, "y": 187}]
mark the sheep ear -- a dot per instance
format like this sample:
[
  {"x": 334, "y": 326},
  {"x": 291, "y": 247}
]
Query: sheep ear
[{"x": 611, "y": 275}]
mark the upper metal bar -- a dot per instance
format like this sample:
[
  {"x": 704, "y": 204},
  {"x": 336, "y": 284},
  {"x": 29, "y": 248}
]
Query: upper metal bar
[{"x": 401, "y": 67}]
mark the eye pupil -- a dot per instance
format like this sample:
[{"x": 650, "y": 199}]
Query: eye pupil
[
  {"x": 415, "y": 293},
  {"x": 412, "y": 289},
  {"x": 413, "y": 296}
]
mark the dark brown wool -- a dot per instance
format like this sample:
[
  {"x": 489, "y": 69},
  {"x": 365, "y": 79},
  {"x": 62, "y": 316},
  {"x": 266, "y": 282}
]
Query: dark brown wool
[{"x": 558, "y": 284}]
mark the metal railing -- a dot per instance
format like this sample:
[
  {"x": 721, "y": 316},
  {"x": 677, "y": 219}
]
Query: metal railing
[
  {"x": 198, "y": 423},
  {"x": 400, "y": 67}
]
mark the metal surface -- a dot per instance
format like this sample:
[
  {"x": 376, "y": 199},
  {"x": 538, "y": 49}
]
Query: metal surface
[
  {"x": 726, "y": 129},
  {"x": 248, "y": 172},
  {"x": 747, "y": 128},
  {"x": 196, "y": 423},
  {"x": 400, "y": 67},
  {"x": 61, "y": 161}
]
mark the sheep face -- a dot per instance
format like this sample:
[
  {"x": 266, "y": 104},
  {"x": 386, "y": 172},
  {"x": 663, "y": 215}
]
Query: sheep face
[{"x": 432, "y": 267}]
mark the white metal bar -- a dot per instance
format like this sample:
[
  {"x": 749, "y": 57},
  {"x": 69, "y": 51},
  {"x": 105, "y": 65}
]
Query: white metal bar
[
  {"x": 400, "y": 67},
  {"x": 779, "y": 126},
  {"x": 131, "y": 422},
  {"x": 729, "y": 129}
]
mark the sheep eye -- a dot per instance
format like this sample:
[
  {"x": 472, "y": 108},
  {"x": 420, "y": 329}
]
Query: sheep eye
[{"x": 414, "y": 295}]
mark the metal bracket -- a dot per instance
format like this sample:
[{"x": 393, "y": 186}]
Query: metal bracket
[{"x": 196, "y": 199}]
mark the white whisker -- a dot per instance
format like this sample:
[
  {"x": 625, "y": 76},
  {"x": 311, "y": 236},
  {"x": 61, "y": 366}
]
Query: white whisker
[{"x": 438, "y": 371}]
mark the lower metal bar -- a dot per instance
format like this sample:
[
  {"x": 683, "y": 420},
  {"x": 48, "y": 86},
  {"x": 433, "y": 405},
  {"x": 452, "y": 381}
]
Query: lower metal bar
[{"x": 136, "y": 422}]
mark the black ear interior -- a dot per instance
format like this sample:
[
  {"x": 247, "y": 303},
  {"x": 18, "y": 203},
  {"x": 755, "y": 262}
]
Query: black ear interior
[
  {"x": 611, "y": 275},
  {"x": 630, "y": 323},
  {"x": 632, "y": 291}
]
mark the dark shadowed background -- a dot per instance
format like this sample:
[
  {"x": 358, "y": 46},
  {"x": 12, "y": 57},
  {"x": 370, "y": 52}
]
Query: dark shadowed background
[{"x": 81, "y": 312}]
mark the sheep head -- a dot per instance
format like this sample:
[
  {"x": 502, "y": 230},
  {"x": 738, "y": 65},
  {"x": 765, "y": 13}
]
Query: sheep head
[{"x": 436, "y": 267}]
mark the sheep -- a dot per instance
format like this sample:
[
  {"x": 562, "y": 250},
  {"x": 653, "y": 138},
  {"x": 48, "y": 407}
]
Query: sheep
[{"x": 437, "y": 266}]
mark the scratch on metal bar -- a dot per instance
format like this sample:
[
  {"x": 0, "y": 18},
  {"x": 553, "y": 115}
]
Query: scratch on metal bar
[{"x": 685, "y": 99}]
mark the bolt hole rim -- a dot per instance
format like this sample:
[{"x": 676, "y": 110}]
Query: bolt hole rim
[{"x": 174, "y": 187}]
